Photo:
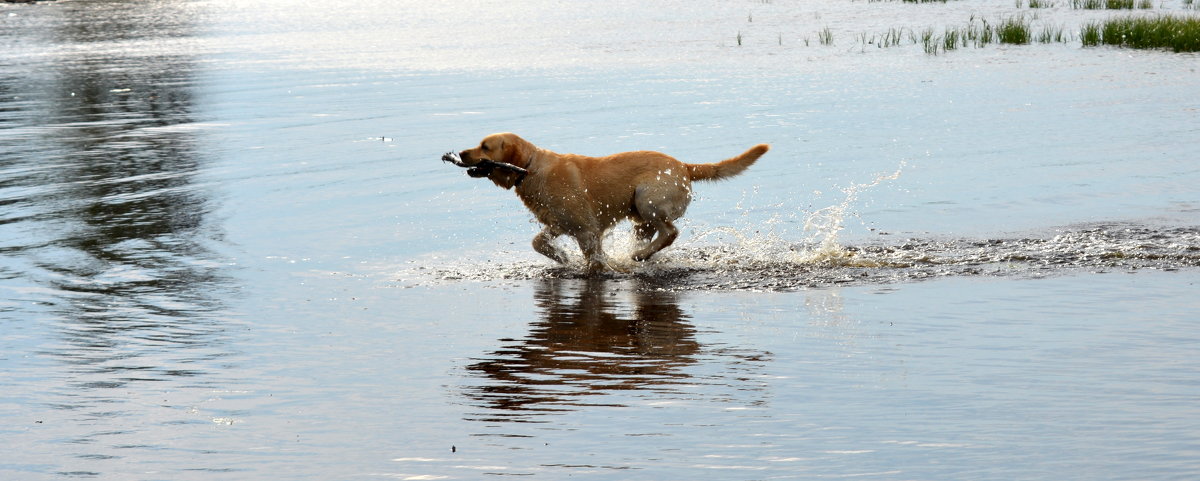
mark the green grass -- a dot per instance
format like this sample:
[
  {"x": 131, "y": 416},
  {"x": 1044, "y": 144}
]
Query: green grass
[
  {"x": 1014, "y": 30},
  {"x": 929, "y": 41},
  {"x": 1112, "y": 4},
  {"x": 893, "y": 37},
  {"x": 1089, "y": 34},
  {"x": 1051, "y": 34},
  {"x": 950, "y": 40},
  {"x": 825, "y": 36},
  {"x": 1177, "y": 33},
  {"x": 1099, "y": 4},
  {"x": 979, "y": 36}
]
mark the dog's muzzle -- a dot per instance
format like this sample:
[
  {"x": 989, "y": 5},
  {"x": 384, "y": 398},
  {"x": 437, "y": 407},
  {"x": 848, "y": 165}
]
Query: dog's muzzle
[
  {"x": 454, "y": 158},
  {"x": 484, "y": 168}
]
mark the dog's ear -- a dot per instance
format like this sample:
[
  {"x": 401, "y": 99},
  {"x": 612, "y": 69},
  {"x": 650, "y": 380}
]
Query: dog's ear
[
  {"x": 513, "y": 149},
  {"x": 494, "y": 145}
]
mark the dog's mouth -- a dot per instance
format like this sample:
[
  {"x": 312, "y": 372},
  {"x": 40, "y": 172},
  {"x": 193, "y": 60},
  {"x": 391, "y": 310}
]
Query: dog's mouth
[
  {"x": 481, "y": 171},
  {"x": 484, "y": 167}
]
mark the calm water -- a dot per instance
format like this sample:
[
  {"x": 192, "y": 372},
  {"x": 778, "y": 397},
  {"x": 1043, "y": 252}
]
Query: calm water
[{"x": 228, "y": 249}]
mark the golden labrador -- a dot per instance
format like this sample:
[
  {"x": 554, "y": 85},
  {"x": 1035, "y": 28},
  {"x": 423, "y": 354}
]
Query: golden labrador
[{"x": 584, "y": 197}]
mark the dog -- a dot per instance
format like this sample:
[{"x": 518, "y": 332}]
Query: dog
[{"x": 583, "y": 197}]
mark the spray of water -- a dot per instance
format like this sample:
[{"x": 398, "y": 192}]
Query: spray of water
[
  {"x": 770, "y": 255},
  {"x": 825, "y": 225},
  {"x": 769, "y": 243}
]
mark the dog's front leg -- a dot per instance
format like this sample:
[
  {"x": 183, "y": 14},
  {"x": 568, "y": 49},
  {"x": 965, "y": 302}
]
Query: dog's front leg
[
  {"x": 544, "y": 244},
  {"x": 593, "y": 254}
]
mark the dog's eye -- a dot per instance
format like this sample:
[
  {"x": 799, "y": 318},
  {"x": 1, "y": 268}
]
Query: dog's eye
[{"x": 484, "y": 147}]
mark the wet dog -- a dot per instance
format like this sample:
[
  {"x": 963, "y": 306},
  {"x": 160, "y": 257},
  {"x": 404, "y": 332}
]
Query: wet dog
[{"x": 583, "y": 197}]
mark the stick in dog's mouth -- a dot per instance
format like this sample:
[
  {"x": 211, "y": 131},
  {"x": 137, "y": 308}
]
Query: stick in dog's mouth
[
  {"x": 453, "y": 158},
  {"x": 484, "y": 167}
]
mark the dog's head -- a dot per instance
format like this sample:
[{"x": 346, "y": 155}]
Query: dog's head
[{"x": 494, "y": 149}]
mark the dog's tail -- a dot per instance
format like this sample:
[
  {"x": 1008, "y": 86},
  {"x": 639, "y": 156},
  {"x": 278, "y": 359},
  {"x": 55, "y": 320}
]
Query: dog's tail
[{"x": 729, "y": 167}]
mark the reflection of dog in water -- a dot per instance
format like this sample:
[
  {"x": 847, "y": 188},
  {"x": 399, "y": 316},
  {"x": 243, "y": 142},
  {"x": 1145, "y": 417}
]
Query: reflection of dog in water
[
  {"x": 583, "y": 197},
  {"x": 586, "y": 343}
]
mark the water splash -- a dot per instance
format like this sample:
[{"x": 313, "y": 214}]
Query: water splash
[
  {"x": 827, "y": 223},
  {"x": 770, "y": 242},
  {"x": 1087, "y": 248},
  {"x": 766, "y": 243},
  {"x": 767, "y": 257},
  {"x": 767, "y": 262}
]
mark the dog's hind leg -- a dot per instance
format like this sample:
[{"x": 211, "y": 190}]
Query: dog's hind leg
[
  {"x": 544, "y": 244},
  {"x": 643, "y": 231},
  {"x": 656, "y": 209},
  {"x": 667, "y": 233}
]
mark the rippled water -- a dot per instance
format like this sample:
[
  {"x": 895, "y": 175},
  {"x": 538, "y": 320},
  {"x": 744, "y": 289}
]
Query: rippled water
[{"x": 228, "y": 249}]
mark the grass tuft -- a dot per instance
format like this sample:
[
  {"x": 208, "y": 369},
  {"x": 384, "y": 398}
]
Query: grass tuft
[
  {"x": 825, "y": 36},
  {"x": 950, "y": 40},
  {"x": 1112, "y": 4},
  {"x": 929, "y": 42},
  {"x": 1014, "y": 30},
  {"x": 1051, "y": 34},
  {"x": 1089, "y": 34},
  {"x": 1177, "y": 33}
]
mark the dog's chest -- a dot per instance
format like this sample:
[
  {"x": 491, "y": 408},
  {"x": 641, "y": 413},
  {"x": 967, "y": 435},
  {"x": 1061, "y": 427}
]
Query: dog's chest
[{"x": 570, "y": 206}]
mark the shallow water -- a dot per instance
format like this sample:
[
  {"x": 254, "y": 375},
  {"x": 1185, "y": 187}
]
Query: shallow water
[{"x": 228, "y": 249}]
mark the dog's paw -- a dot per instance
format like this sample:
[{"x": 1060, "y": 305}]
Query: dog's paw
[
  {"x": 619, "y": 269},
  {"x": 598, "y": 268},
  {"x": 642, "y": 256}
]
